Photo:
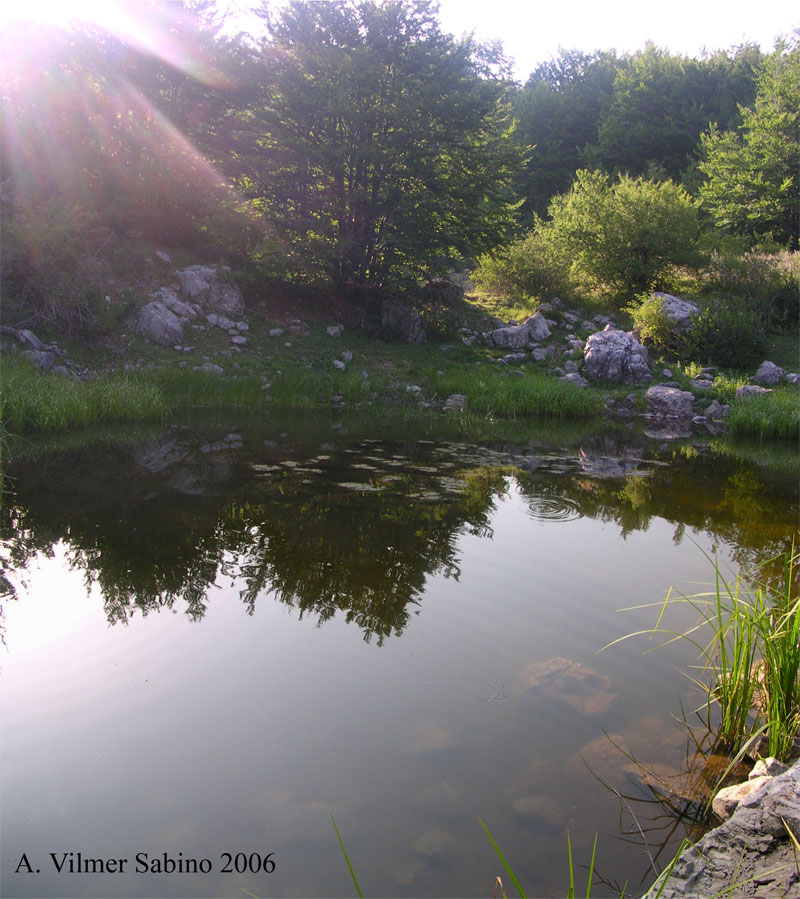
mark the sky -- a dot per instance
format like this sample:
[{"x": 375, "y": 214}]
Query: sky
[{"x": 532, "y": 31}]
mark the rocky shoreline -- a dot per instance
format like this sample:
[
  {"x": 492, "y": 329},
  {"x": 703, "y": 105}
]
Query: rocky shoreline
[{"x": 753, "y": 853}]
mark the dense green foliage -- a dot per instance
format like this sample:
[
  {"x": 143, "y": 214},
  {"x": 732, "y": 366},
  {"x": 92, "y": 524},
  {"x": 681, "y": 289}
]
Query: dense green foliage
[
  {"x": 641, "y": 114},
  {"x": 753, "y": 176},
  {"x": 376, "y": 145},
  {"x": 618, "y": 238}
]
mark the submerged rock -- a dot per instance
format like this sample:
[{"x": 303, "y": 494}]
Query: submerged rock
[{"x": 581, "y": 688}]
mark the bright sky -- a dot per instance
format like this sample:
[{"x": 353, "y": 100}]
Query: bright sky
[{"x": 532, "y": 31}]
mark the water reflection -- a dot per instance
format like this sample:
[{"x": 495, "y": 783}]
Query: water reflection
[{"x": 352, "y": 525}]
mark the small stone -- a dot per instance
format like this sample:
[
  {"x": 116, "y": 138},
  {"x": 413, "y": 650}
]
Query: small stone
[
  {"x": 413, "y": 388},
  {"x": 335, "y": 330},
  {"x": 239, "y": 340},
  {"x": 347, "y": 356},
  {"x": 575, "y": 378},
  {"x": 163, "y": 256},
  {"x": 339, "y": 365},
  {"x": 728, "y": 798},
  {"x": 701, "y": 384},
  {"x": 212, "y": 369},
  {"x": 276, "y": 332}
]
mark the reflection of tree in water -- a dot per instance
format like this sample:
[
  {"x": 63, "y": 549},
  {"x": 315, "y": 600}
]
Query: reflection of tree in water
[
  {"x": 319, "y": 547},
  {"x": 358, "y": 530}
]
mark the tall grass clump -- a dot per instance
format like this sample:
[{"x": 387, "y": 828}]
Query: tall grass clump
[
  {"x": 775, "y": 414},
  {"x": 492, "y": 393},
  {"x": 34, "y": 401},
  {"x": 748, "y": 639},
  {"x": 185, "y": 387}
]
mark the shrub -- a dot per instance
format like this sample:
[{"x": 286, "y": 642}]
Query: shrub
[
  {"x": 624, "y": 238},
  {"x": 727, "y": 332},
  {"x": 530, "y": 268},
  {"x": 653, "y": 326},
  {"x": 770, "y": 282}
]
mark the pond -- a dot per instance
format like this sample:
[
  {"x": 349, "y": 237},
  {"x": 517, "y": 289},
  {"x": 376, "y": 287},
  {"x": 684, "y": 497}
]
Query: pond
[{"x": 220, "y": 633}]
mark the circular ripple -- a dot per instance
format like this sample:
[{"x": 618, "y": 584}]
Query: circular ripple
[{"x": 554, "y": 508}]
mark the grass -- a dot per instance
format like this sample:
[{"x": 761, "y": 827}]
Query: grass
[
  {"x": 31, "y": 401},
  {"x": 748, "y": 640},
  {"x": 492, "y": 393},
  {"x": 776, "y": 414}
]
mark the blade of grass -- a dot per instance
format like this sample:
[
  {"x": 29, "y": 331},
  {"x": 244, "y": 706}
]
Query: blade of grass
[
  {"x": 347, "y": 859},
  {"x": 502, "y": 859}
]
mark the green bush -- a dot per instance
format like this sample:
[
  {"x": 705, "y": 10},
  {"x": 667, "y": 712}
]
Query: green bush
[
  {"x": 651, "y": 323},
  {"x": 727, "y": 332},
  {"x": 624, "y": 238},
  {"x": 770, "y": 282},
  {"x": 530, "y": 268}
]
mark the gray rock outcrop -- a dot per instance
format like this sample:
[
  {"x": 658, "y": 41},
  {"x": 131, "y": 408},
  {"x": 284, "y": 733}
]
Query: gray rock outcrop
[
  {"x": 751, "y": 854},
  {"x": 517, "y": 337},
  {"x": 751, "y": 390},
  {"x": 615, "y": 356},
  {"x": 669, "y": 402}
]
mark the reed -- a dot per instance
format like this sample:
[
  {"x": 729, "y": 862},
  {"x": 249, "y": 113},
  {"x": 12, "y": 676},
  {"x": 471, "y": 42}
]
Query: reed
[{"x": 748, "y": 640}]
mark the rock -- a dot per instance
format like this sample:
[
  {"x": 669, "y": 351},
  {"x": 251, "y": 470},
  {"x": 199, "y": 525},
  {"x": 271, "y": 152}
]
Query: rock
[
  {"x": 204, "y": 283},
  {"x": 432, "y": 843},
  {"x": 212, "y": 368},
  {"x": 541, "y": 353},
  {"x": 455, "y": 402},
  {"x": 793, "y": 377},
  {"x": 701, "y": 383},
  {"x": 339, "y": 365},
  {"x": 413, "y": 388},
  {"x": 242, "y": 327},
  {"x": 669, "y": 402},
  {"x": 276, "y": 332},
  {"x": 163, "y": 256},
  {"x": 680, "y": 313},
  {"x": 220, "y": 321},
  {"x": 515, "y": 337},
  {"x": 751, "y": 850},
  {"x": 347, "y": 356},
  {"x": 167, "y": 297},
  {"x": 159, "y": 324},
  {"x": 768, "y": 374},
  {"x": 239, "y": 340},
  {"x": 43, "y": 359},
  {"x": 541, "y": 808},
  {"x": 334, "y": 331},
  {"x": 576, "y": 378},
  {"x": 616, "y": 356},
  {"x": 769, "y": 767},
  {"x": 716, "y": 410},
  {"x": 570, "y": 366},
  {"x": 728, "y": 798},
  {"x": 582, "y": 689},
  {"x": 442, "y": 292},
  {"x": 29, "y": 339},
  {"x": 399, "y": 322},
  {"x": 751, "y": 390},
  {"x": 511, "y": 358}
]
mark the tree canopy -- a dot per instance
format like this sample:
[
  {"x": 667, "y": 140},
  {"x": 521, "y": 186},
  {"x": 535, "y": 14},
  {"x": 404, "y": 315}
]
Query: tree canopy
[{"x": 375, "y": 143}]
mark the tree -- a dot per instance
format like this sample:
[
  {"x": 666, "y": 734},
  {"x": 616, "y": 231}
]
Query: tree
[
  {"x": 378, "y": 146},
  {"x": 662, "y": 103},
  {"x": 624, "y": 237},
  {"x": 559, "y": 111},
  {"x": 753, "y": 176}
]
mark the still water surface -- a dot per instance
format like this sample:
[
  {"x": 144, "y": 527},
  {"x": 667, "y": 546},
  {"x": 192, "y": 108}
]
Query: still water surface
[{"x": 220, "y": 635}]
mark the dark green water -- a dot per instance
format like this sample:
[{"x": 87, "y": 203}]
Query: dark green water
[{"x": 220, "y": 633}]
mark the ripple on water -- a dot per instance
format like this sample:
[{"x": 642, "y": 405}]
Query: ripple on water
[{"x": 553, "y": 508}]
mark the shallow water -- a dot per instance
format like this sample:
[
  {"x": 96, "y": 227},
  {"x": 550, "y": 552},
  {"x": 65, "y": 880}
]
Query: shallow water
[{"x": 222, "y": 633}]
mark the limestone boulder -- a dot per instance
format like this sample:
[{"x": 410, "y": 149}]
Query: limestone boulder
[
  {"x": 159, "y": 324},
  {"x": 210, "y": 286},
  {"x": 680, "y": 313},
  {"x": 669, "y": 402},
  {"x": 615, "y": 356},
  {"x": 400, "y": 322},
  {"x": 768, "y": 375},
  {"x": 517, "y": 337}
]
